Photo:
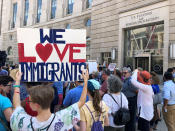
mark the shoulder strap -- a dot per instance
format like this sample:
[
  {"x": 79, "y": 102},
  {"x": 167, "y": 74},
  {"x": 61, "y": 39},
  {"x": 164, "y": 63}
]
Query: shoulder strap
[
  {"x": 90, "y": 112},
  {"x": 47, "y": 127},
  {"x": 51, "y": 122},
  {"x": 121, "y": 99},
  {"x": 31, "y": 123},
  {"x": 113, "y": 99}
]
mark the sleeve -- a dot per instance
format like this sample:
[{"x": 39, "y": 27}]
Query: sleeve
[
  {"x": 19, "y": 119},
  {"x": 125, "y": 101},
  {"x": 107, "y": 101},
  {"x": 166, "y": 93},
  {"x": 68, "y": 115},
  {"x": 82, "y": 114},
  {"x": 138, "y": 84},
  {"x": 133, "y": 88},
  {"x": 6, "y": 103},
  {"x": 67, "y": 99},
  {"x": 106, "y": 109}
]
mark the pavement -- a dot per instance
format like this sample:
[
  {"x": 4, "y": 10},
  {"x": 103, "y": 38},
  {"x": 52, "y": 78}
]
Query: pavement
[{"x": 161, "y": 125}]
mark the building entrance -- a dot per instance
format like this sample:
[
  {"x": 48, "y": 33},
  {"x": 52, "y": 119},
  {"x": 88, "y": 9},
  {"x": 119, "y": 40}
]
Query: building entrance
[
  {"x": 143, "y": 47},
  {"x": 142, "y": 62}
]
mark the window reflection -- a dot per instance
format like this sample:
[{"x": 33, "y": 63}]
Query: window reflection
[{"x": 144, "y": 40}]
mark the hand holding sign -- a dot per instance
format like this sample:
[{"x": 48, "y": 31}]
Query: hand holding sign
[{"x": 85, "y": 75}]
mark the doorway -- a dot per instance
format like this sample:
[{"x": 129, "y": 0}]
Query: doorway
[{"x": 142, "y": 62}]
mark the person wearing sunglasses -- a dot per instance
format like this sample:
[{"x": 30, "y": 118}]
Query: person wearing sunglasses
[{"x": 130, "y": 92}]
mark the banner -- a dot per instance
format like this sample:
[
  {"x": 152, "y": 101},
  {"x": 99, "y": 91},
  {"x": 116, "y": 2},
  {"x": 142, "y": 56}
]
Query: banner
[
  {"x": 112, "y": 66},
  {"x": 51, "y": 54},
  {"x": 92, "y": 65}
]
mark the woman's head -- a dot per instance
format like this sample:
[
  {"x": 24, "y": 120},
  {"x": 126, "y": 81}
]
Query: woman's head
[
  {"x": 155, "y": 78},
  {"x": 93, "y": 91},
  {"x": 144, "y": 77},
  {"x": 41, "y": 96},
  {"x": 114, "y": 84}
]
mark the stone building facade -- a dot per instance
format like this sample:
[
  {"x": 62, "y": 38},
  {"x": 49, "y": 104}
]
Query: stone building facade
[{"x": 135, "y": 33}]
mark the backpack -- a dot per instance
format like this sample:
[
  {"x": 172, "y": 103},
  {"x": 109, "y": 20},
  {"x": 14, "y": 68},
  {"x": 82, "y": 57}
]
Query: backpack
[
  {"x": 97, "y": 125},
  {"x": 122, "y": 116}
]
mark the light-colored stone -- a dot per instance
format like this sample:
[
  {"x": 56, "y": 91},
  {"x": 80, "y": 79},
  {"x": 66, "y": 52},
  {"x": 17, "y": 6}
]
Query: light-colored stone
[{"x": 105, "y": 31}]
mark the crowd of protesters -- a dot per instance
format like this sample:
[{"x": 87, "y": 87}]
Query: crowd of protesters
[{"x": 89, "y": 104}]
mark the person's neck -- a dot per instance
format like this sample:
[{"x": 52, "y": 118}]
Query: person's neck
[
  {"x": 43, "y": 115},
  {"x": 90, "y": 98},
  {"x": 116, "y": 93}
]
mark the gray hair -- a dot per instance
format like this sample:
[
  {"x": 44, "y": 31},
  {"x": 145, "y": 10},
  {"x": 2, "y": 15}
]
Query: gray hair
[
  {"x": 127, "y": 69},
  {"x": 114, "y": 84}
]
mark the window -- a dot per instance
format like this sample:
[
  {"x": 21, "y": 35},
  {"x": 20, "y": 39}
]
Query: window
[
  {"x": 141, "y": 41},
  {"x": 39, "y": 6},
  {"x": 11, "y": 37},
  {"x": 88, "y": 40},
  {"x": 88, "y": 22},
  {"x": 68, "y": 26},
  {"x": 88, "y": 3},
  {"x": 9, "y": 50},
  {"x": 14, "y": 15},
  {"x": 70, "y": 6},
  {"x": 53, "y": 8},
  {"x": 26, "y": 10}
]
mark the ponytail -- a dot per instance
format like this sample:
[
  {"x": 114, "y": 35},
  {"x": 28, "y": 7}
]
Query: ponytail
[{"x": 96, "y": 100}]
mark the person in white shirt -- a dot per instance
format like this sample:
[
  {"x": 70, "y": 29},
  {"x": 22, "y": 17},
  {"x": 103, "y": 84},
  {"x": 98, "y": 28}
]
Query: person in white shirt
[
  {"x": 142, "y": 80},
  {"x": 114, "y": 87}
]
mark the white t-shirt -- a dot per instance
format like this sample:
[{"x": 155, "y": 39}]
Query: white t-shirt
[
  {"x": 144, "y": 98},
  {"x": 113, "y": 106},
  {"x": 20, "y": 120}
]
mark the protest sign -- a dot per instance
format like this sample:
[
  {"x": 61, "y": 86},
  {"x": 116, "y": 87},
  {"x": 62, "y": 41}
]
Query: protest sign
[
  {"x": 92, "y": 65},
  {"x": 112, "y": 66},
  {"x": 51, "y": 54}
]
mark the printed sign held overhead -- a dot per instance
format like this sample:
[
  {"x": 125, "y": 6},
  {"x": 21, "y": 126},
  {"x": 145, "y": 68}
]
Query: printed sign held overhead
[{"x": 51, "y": 54}]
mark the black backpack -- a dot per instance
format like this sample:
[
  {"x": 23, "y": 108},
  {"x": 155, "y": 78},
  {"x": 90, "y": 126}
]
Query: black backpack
[
  {"x": 97, "y": 125},
  {"x": 122, "y": 116}
]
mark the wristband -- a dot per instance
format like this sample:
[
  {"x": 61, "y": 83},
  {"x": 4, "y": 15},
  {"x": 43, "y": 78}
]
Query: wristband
[{"x": 16, "y": 86}]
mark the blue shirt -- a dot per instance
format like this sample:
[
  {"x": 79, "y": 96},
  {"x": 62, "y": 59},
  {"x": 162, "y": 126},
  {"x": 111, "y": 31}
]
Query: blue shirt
[
  {"x": 59, "y": 86},
  {"x": 4, "y": 104},
  {"x": 168, "y": 92},
  {"x": 155, "y": 88},
  {"x": 3, "y": 72},
  {"x": 73, "y": 96}
]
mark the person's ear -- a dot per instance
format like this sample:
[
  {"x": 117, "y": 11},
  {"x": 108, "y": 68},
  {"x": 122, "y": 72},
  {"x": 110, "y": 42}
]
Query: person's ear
[{"x": 36, "y": 106}]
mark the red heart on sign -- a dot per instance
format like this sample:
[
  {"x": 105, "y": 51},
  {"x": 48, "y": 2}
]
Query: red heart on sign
[{"x": 44, "y": 52}]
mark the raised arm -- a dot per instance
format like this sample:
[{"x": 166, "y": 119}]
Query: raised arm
[
  {"x": 82, "y": 100},
  {"x": 16, "y": 96},
  {"x": 136, "y": 83}
]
